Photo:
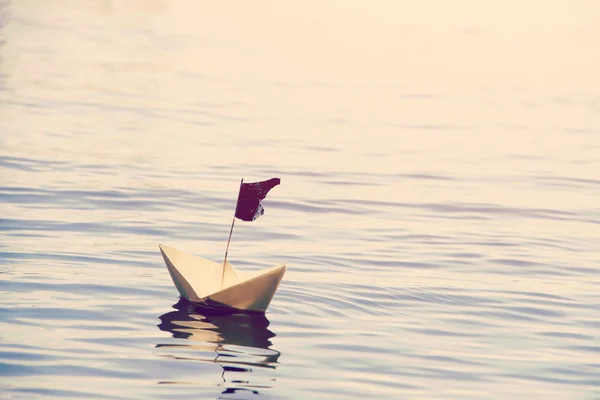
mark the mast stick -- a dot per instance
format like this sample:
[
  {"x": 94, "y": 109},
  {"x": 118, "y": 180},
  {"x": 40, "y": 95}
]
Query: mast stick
[{"x": 230, "y": 232}]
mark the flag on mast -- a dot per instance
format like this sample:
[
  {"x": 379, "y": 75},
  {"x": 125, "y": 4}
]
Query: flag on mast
[{"x": 248, "y": 206}]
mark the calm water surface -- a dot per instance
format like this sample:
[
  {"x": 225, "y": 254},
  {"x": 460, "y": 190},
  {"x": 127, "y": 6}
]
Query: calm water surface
[{"x": 438, "y": 213}]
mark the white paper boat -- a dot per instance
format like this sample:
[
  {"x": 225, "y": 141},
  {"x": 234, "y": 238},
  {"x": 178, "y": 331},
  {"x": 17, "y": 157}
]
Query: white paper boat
[{"x": 220, "y": 285}]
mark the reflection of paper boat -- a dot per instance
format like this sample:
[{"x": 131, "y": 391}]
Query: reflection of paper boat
[
  {"x": 248, "y": 335},
  {"x": 239, "y": 342},
  {"x": 220, "y": 285}
]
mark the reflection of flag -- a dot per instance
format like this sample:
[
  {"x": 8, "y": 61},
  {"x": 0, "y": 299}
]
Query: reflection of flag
[{"x": 251, "y": 194}]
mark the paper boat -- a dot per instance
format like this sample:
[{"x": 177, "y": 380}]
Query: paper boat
[{"x": 220, "y": 285}]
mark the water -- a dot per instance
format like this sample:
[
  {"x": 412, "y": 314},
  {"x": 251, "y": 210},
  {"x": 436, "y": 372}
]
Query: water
[{"x": 438, "y": 210}]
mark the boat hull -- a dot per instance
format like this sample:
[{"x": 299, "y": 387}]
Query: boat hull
[{"x": 204, "y": 282}]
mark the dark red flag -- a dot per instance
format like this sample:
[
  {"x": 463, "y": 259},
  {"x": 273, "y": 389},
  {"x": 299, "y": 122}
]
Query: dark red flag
[{"x": 251, "y": 194}]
